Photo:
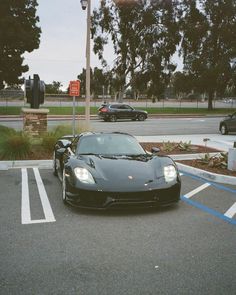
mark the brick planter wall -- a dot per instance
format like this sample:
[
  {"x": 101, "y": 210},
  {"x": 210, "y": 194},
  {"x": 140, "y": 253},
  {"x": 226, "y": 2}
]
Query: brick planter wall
[{"x": 34, "y": 121}]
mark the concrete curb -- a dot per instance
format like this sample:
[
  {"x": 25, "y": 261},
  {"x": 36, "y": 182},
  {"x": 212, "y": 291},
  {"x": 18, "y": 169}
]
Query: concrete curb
[
  {"x": 213, "y": 177},
  {"x": 5, "y": 165},
  {"x": 47, "y": 164},
  {"x": 191, "y": 156}
]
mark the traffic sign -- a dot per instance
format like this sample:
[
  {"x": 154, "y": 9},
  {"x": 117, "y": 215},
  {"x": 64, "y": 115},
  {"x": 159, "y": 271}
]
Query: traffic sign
[{"x": 74, "y": 88}]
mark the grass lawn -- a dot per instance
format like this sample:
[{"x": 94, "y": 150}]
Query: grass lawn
[{"x": 14, "y": 110}]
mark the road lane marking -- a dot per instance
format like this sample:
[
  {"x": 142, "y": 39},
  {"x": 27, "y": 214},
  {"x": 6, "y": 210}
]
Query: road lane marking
[
  {"x": 25, "y": 203},
  {"x": 49, "y": 216},
  {"x": 208, "y": 210},
  {"x": 231, "y": 211},
  {"x": 197, "y": 190},
  {"x": 25, "y": 199},
  {"x": 216, "y": 185}
]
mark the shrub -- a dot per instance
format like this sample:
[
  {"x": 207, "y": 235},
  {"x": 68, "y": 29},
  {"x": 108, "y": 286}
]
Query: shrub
[
  {"x": 218, "y": 160},
  {"x": 184, "y": 146},
  {"x": 168, "y": 146},
  {"x": 15, "y": 145},
  {"x": 6, "y": 131},
  {"x": 50, "y": 138},
  {"x": 48, "y": 141}
]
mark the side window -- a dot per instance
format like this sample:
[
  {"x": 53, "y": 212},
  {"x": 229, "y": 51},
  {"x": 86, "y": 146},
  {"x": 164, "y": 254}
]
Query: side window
[
  {"x": 127, "y": 107},
  {"x": 74, "y": 144},
  {"x": 116, "y": 106}
]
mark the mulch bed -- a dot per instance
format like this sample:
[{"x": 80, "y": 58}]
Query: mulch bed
[
  {"x": 194, "y": 149},
  {"x": 198, "y": 165}
]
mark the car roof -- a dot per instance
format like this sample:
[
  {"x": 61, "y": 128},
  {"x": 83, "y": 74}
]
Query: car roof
[{"x": 101, "y": 133}]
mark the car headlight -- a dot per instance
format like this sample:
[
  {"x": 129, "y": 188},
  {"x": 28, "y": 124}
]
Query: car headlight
[
  {"x": 170, "y": 173},
  {"x": 84, "y": 175}
]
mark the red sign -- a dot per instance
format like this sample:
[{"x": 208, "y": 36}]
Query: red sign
[{"x": 74, "y": 88}]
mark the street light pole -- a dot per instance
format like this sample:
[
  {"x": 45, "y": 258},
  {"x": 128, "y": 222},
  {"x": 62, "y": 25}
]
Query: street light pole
[{"x": 87, "y": 3}]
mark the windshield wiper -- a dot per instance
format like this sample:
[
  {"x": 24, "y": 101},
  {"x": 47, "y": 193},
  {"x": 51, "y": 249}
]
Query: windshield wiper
[
  {"x": 90, "y": 154},
  {"x": 85, "y": 154},
  {"x": 141, "y": 157},
  {"x": 109, "y": 156}
]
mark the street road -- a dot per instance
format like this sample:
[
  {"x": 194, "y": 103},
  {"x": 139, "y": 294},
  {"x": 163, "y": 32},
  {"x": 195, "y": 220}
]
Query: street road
[
  {"x": 162, "y": 126},
  {"x": 57, "y": 102},
  {"x": 49, "y": 248},
  {"x": 152, "y": 126}
]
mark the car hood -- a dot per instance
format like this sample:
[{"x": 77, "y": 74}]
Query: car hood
[{"x": 124, "y": 173}]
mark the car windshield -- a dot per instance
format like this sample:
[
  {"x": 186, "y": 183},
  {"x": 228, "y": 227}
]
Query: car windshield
[{"x": 109, "y": 144}]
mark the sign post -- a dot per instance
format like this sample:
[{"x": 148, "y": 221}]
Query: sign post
[{"x": 74, "y": 91}]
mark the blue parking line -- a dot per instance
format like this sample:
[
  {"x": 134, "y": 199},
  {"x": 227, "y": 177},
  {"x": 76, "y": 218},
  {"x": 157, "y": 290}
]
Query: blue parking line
[
  {"x": 208, "y": 210},
  {"x": 219, "y": 186}
]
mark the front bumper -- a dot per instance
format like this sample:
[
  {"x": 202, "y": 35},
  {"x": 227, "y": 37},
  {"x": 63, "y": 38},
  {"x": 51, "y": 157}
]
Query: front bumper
[{"x": 106, "y": 200}]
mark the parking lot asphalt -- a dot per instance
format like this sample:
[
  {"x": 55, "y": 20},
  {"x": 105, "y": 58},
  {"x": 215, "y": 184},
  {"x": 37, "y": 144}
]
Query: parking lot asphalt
[
  {"x": 219, "y": 200},
  {"x": 49, "y": 248}
]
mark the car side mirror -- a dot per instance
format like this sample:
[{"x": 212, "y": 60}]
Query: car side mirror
[
  {"x": 61, "y": 151},
  {"x": 155, "y": 150}
]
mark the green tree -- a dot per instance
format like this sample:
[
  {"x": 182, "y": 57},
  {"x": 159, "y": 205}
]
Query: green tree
[
  {"x": 183, "y": 83},
  {"x": 209, "y": 43},
  {"x": 53, "y": 88},
  {"x": 18, "y": 33},
  {"x": 144, "y": 36},
  {"x": 99, "y": 80},
  {"x": 82, "y": 78}
]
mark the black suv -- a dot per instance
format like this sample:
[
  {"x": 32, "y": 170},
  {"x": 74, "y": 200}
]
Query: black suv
[
  {"x": 112, "y": 112},
  {"x": 228, "y": 124}
]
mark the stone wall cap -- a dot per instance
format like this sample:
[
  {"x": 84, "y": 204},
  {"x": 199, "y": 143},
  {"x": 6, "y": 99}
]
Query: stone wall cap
[{"x": 35, "y": 111}]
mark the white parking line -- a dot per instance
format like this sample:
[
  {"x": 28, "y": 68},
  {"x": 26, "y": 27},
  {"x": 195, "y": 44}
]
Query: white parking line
[
  {"x": 197, "y": 190},
  {"x": 49, "y": 216},
  {"x": 231, "y": 211},
  {"x": 25, "y": 203}
]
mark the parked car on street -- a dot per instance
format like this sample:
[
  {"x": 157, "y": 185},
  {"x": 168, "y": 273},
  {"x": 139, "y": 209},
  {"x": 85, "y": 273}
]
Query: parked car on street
[
  {"x": 228, "y": 124},
  {"x": 112, "y": 170},
  {"x": 112, "y": 112}
]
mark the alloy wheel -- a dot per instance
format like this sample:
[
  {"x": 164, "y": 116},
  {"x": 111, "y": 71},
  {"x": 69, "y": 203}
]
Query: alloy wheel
[
  {"x": 223, "y": 129},
  {"x": 113, "y": 118},
  {"x": 141, "y": 117}
]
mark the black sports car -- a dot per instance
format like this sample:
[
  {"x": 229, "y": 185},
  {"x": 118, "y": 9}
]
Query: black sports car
[
  {"x": 112, "y": 112},
  {"x": 102, "y": 170}
]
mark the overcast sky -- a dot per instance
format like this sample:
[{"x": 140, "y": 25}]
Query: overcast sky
[{"x": 61, "y": 55}]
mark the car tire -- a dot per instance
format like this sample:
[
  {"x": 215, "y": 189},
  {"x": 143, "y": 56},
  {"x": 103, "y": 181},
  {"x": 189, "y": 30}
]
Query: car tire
[
  {"x": 223, "y": 129},
  {"x": 112, "y": 118},
  {"x": 141, "y": 117},
  {"x": 63, "y": 187},
  {"x": 54, "y": 164}
]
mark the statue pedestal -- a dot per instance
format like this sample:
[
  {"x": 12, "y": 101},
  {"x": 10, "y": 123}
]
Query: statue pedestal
[{"x": 34, "y": 121}]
